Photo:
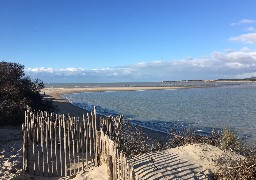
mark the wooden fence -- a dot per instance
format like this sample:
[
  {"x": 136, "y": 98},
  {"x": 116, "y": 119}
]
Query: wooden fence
[
  {"x": 60, "y": 145},
  {"x": 119, "y": 166}
]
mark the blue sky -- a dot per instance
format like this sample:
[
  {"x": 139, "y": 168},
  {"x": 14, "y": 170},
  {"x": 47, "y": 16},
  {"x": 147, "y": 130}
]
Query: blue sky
[{"x": 135, "y": 40}]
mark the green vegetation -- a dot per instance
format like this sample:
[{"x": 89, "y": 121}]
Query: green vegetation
[{"x": 18, "y": 93}]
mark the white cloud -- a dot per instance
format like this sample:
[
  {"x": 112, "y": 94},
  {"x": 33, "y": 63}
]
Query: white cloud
[
  {"x": 42, "y": 69},
  {"x": 246, "y": 75},
  {"x": 249, "y": 38},
  {"x": 228, "y": 50},
  {"x": 72, "y": 69},
  {"x": 245, "y": 49},
  {"x": 251, "y": 29},
  {"x": 235, "y": 65},
  {"x": 51, "y": 70},
  {"x": 226, "y": 64},
  {"x": 243, "y": 21}
]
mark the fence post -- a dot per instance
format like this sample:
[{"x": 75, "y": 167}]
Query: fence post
[
  {"x": 57, "y": 143},
  {"x": 69, "y": 130},
  {"x": 23, "y": 146},
  {"x": 74, "y": 156},
  {"x": 27, "y": 144},
  {"x": 46, "y": 144},
  {"x": 87, "y": 143},
  {"x": 79, "y": 131},
  {"x": 110, "y": 167},
  {"x": 118, "y": 164},
  {"x": 55, "y": 148},
  {"x": 97, "y": 154},
  {"x": 132, "y": 174},
  {"x": 33, "y": 145},
  {"x": 51, "y": 160},
  {"x": 65, "y": 146},
  {"x": 94, "y": 126},
  {"x": 82, "y": 138},
  {"x": 38, "y": 142}
]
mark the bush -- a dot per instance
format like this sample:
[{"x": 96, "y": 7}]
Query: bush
[
  {"x": 17, "y": 93},
  {"x": 230, "y": 141},
  {"x": 230, "y": 168},
  {"x": 237, "y": 169}
]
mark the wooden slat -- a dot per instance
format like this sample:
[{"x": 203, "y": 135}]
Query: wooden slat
[
  {"x": 53, "y": 137},
  {"x": 60, "y": 145},
  {"x": 38, "y": 144},
  {"x": 23, "y": 146},
  {"x": 69, "y": 145},
  {"x": 82, "y": 138},
  {"x": 51, "y": 148},
  {"x": 86, "y": 141},
  {"x": 42, "y": 146},
  {"x": 73, "y": 147},
  {"x": 65, "y": 146},
  {"x": 77, "y": 142},
  {"x": 55, "y": 148}
]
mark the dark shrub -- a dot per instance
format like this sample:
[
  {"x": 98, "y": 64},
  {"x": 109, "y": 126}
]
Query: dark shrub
[{"x": 17, "y": 93}]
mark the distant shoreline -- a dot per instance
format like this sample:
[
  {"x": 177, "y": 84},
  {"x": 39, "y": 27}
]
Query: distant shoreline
[
  {"x": 58, "y": 91},
  {"x": 66, "y": 107}
]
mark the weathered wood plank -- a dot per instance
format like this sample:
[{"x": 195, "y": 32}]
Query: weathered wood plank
[{"x": 63, "y": 144}]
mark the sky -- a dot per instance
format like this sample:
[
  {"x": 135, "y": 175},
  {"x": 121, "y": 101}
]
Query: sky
[{"x": 129, "y": 40}]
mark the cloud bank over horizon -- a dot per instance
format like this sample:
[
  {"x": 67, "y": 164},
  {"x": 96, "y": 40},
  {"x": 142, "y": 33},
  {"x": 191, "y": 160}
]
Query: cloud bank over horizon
[{"x": 227, "y": 64}]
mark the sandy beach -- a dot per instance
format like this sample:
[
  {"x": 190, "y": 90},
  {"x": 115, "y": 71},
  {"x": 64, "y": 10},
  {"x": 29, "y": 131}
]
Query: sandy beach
[
  {"x": 192, "y": 161},
  {"x": 10, "y": 151}
]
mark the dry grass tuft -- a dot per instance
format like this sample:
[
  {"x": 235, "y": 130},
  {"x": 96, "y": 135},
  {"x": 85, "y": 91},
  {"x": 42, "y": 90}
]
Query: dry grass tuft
[
  {"x": 230, "y": 141},
  {"x": 236, "y": 169}
]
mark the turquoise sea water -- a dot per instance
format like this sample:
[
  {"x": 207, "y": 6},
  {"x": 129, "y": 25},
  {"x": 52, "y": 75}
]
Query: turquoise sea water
[{"x": 231, "y": 106}]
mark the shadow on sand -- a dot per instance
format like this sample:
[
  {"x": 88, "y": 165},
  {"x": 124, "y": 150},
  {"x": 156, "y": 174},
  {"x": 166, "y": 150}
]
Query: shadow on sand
[{"x": 164, "y": 165}]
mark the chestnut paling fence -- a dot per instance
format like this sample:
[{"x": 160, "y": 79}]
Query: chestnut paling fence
[{"x": 59, "y": 145}]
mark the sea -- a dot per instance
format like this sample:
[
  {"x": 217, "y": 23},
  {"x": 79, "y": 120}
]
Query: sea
[{"x": 201, "y": 108}]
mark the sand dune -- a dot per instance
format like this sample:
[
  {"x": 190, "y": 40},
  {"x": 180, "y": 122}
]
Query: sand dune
[{"x": 191, "y": 161}]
